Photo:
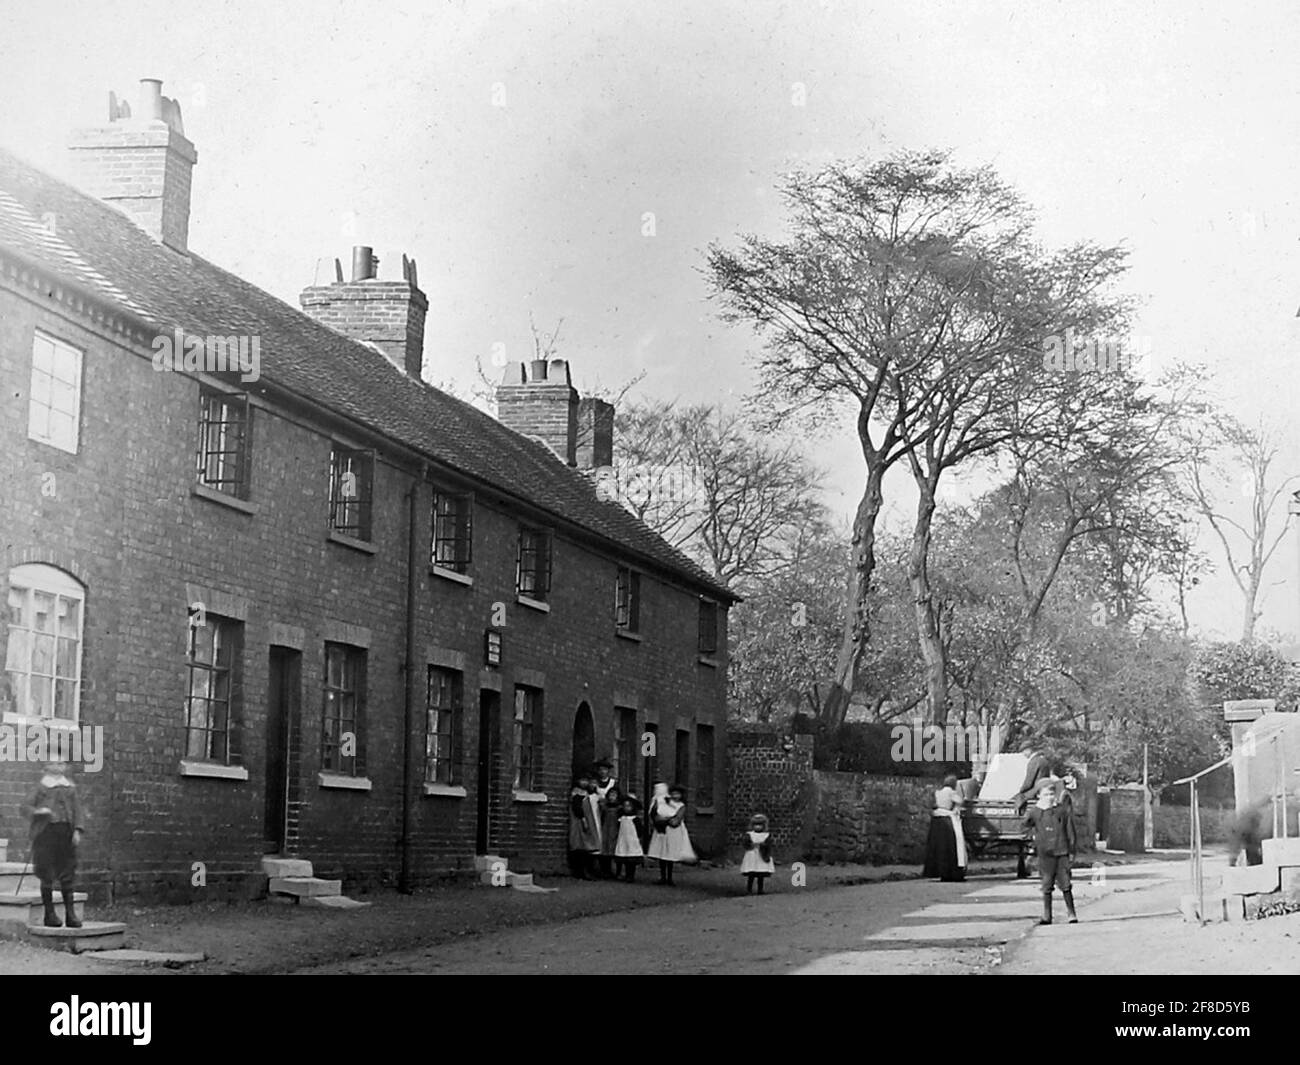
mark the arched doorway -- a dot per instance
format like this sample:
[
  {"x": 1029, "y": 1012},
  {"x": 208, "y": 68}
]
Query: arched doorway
[{"x": 584, "y": 739}]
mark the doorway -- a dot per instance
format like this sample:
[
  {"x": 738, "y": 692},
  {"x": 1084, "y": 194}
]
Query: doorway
[
  {"x": 584, "y": 740},
  {"x": 489, "y": 717},
  {"x": 284, "y": 686},
  {"x": 650, "y": 762}
]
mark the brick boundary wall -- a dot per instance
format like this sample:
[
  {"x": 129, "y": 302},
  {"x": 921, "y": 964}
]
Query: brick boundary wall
[
  {"x": 827, "y": 816},
  {"x": 764, "y": 777}
]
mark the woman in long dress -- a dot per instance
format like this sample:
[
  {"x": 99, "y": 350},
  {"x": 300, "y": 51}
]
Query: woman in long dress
[
  {"x": 669, "y": 841},
  {"x": 945, "y": 849}
]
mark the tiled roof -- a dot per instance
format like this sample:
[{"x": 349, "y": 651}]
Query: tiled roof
[{"x": 105, "y": 252}]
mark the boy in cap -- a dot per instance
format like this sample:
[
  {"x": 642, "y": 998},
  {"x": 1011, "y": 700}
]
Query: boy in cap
[
  {"x": 56, "y": 829},
  {"x": 1051, "y": 823}
]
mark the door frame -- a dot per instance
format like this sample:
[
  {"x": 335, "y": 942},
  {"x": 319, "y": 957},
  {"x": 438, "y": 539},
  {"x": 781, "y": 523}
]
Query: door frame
[
  {"x": 489, "y": 719},
  {"x": 284, "y": 702}
]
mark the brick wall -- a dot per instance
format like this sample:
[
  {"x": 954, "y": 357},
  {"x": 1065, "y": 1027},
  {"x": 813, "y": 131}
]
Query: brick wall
[
  {"x": 123, "y": 519},
  {"x": 1173, "y": 825},
  {"x": 837, "y": 817},
  {"x": 764, "y": 777},
  {"x": 882, "y": 820}
]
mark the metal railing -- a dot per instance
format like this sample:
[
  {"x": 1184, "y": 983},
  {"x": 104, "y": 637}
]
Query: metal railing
[{"x": 1198, "y": 866}]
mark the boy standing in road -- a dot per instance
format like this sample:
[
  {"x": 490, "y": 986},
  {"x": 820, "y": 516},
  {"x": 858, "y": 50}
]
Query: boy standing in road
[{"x": 1052, "y": 824}]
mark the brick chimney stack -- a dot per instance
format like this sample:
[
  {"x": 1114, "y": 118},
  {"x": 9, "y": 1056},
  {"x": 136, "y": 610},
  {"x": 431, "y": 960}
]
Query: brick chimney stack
[
  {"x": 595, "y": 434},
  {"x": 386, "y": 313},
  {"x": 539, "y": 400},
  {"x": 141, "y": 164}
]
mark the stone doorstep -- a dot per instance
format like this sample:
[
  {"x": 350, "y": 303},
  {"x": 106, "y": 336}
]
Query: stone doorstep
[
  {"x": 145, "y": 957},
  {"x": 1251, "y": 879},
  {"x": 332, "y": 902},
  {"x": 286, "y": 867},
  {"x": 304, "y": 886},
  {"x": 28, "y": 907},
  {"x": 1282, "y": 851},
  {"x": 95, "y": 935}
]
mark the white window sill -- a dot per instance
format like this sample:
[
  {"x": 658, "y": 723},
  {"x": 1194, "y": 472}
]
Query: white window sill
[
  {"x": 338, "y": 780},
  {"x": 627, "y": 634},
  {"x": 533, "y": 604},
  {"x": 49, "y": 442},
  {"x": 202, "y": 491},
  {"x": 57, "y": 723},
  {"x": 446, "y": 791},
  {"x": 712, "y": 663},
  {"x": 452, "y": 575},
  {"x": 530, "y": 796},
  {"x": 364, "y": 546},
  {"x": 706, "y": 809},
  {"x": 213, "y": 770}
]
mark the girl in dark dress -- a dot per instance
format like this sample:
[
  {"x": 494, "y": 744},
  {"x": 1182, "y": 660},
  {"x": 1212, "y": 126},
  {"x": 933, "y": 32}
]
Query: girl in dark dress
[{"x": 945, "y": 849}]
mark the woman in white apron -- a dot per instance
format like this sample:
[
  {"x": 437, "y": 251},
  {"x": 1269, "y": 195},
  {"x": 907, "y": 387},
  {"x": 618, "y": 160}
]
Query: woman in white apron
[{"x": 945, "y": 849}]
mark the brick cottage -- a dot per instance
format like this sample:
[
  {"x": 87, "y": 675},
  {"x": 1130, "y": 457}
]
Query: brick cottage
[{"x": 318, "y": 607}]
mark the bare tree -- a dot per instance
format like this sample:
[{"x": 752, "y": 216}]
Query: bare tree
[
  {"x": 739, "y": 504},
  {"x": 1223, "y": 448}
]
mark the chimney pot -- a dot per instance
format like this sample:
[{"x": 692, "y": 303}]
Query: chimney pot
[
  {"x": 364, "y": 263},
  {"x": 151, "y": 108},
  {"x": 538, "y": 370}
]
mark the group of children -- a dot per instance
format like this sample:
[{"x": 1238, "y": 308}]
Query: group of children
[{"x": 609, "y": 838}]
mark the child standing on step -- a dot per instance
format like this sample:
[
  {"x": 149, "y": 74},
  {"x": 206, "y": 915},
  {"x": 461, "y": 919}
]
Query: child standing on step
[
  {"x": 1051, "y": 821},
  {"x": 628, "y": 852},
  {"x": 758, "y": 864},
  {"x": 670, "y": 843},
  {"x": 56, "y": 829}
]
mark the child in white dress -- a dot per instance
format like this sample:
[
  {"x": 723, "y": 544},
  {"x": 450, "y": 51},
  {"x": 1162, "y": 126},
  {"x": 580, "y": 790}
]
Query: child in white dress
[
  {"x": 669, "y": 841},
  {"x": 628, "y": 852},
  {"x": 758, "y": 864}
]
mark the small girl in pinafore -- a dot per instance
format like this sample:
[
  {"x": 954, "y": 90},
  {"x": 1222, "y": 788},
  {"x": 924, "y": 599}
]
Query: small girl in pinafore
[
  {"x": 758, "y": 864},
  {"x": 669, "y": 841},
  {"x": 628, "y": 852}
]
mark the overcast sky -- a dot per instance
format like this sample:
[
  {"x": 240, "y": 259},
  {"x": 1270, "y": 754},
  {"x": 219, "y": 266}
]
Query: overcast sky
[{"x": 1170, "y": 127}]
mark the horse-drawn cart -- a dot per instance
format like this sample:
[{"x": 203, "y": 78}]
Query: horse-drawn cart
[{"x": 991, "y": 821}]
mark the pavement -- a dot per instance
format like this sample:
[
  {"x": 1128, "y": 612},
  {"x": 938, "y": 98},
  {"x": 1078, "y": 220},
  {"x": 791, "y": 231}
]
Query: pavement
[
  {"x": 1140, "y": 931},
  {"x": 830, "y": 920}
]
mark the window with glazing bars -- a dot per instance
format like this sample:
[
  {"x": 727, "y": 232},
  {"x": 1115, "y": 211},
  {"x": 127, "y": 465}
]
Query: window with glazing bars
[
  {"x": 625, "y": 748},
  {"x": 534, "y": 572},
  {"x": 351, "y": 488},
  {"x": 209, "y": 703},
  {"x": 627, "y": 600},
  {"x": 453, "y": 531},
  {"x": 224, "y": 442},
  {"x": 443, "y": 713},
  {"x": 528, "y": 739},
  {"x": 345, "y": 669}
]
